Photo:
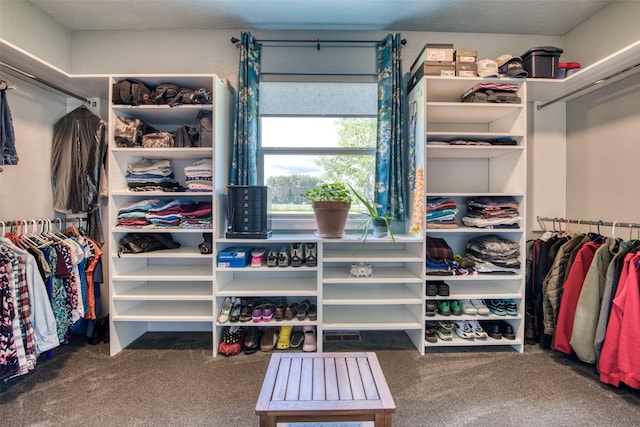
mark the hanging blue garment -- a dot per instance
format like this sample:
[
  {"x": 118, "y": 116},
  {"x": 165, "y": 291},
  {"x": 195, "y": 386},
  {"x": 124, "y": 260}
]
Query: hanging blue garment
[{"x": 8, "y": 153}]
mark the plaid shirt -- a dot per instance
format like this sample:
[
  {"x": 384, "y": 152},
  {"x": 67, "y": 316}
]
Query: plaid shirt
[{"x": 438, "y": 251}]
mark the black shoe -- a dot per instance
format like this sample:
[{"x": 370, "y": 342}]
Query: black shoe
[
  {"x": 272, "y": 258},
  {"x": 432, "y": 289},
  {"x": 492, "y": 329},
  {"x": 252, "y": 340},
  {"x": 507, "y": 330},
  {"x": 284, "y": 257}
]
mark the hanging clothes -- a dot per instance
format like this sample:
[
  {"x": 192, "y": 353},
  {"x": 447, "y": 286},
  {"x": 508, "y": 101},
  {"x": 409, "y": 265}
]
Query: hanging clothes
[{"x": 8, "y": 153}]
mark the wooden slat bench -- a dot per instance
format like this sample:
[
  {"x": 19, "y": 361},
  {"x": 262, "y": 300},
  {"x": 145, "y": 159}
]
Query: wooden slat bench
[{"x": 324, "y": 387}]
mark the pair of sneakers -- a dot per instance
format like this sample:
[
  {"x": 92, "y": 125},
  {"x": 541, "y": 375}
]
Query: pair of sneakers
[
  {"x": 474, "y": 306},
  {"x": 304, "y": 254},
  {"x": 502, "y": 307},
  {"x": 469, "y": 329}
]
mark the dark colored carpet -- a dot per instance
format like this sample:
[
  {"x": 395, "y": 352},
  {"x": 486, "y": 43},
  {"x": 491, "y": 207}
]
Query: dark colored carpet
[{"x": 171, "y": 379}]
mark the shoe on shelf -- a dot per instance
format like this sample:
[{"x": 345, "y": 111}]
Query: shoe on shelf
[
  {"x": 290, "y": 311},
  {"x": 252, "y": 340},
  {"x": 492, "y": 328},
  {"x": 234, "y": 316},
  {"x": 246, "y": 310},
  {"x": 443, "y": 333},
  {"x": 309, "y": 338},
  {"x": 467, "y": 307},
  {"x": 310, "y": 254},
  {"x": 258, "y": 257},
  {"x": 278, "y": 315},
  {"x": 477, "y": 330},
  {"x": 284, "y": 337},
  {"x": 272, "y": 258},
  {"x": 463, "y": 329},
  {"x": 511, "y": 307},
  {"x": 225, "y": 310},
  {"x": 446, "y": 324},
  {"x": 297, "y": 255},
  {"x": 496, "y": 306},
  {"x": 256, "y": 314},
  {"x": 443, "y": 289},
  {"x": 432, "y": 289},
  {"x": 313, "y": 312},
  {"x": 268, "y": 311},
  {"x": 480, "y": 306},
  {"x": 303, "y": 308},
  {"x": 284, "y": 258},
  {"x": 444, "y": 308},
  {"x": 269, "y": 339},
  {"x": 297, "y": 338},
  {"x": 430, "y": 332},
  {"x": 454, "y": 306},
  {"x": 507, "y": 330},
  {"x": 432, "y": 308}
]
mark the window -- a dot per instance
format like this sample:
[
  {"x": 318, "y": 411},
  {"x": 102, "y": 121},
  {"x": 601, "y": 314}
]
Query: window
[{"x": 313, "y": 132}]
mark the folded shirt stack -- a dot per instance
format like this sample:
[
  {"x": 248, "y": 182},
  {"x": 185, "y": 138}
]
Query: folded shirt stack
[
  {"x": 493, "y": 254},
  {"x": 199, "y": 175},
  {"x": 441, "y": 212},
  {"x": 151, "y": 175},
  {"x": 198, "y": 215},
  {"x": 492, "y": 212},
  {"x": 181, "y": 212},
  {"x": 134, "y": 214}
]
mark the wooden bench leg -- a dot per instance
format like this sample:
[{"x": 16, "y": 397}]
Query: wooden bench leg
[
  {"x": 382, "y": 420},
  {"x": 267, "y": 421}
]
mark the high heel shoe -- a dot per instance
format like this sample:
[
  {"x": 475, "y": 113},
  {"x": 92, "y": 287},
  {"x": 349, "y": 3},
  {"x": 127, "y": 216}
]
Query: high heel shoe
[
  {"x": 284, "y": 337},
  {"x": 225, "y": 311}
]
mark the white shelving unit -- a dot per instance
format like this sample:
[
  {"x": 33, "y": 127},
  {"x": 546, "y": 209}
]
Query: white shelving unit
[
  {"x": 167, "y": 290},
  {"x": 465, "y": 171}
]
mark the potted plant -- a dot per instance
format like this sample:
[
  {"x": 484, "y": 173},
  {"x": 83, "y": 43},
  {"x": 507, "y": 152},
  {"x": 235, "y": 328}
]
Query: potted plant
[
  {"x": 381, "y": 224},
  {"x": 331, "y": 203}
]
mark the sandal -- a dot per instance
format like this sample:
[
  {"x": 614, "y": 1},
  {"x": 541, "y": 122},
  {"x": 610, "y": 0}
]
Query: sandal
[
  {"x": 290, "y": 311},
  {"x": 279, "y": 313},
  {"x": 302, "y": 309}
]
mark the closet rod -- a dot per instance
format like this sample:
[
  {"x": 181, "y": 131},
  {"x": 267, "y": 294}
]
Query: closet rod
[
  {"x": 588, "y": 86},
  {"x": 28, "y": 221},
  {"x": 235, "y": 41},
  {"x": 46, "y": 83},
  {"x": 580, "y": 221}
]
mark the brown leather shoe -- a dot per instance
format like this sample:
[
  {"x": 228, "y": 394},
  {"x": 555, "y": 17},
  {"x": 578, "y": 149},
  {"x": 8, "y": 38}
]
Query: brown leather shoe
[{"x": 290, "y": 311}]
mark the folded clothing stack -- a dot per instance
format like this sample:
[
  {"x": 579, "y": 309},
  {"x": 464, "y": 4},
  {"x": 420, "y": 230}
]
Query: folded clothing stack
[
  {"x": 199, "y": 175},
  {"x": 493, "y": 254},
  {"x": 134, "y": 214},
  {"x": 151, "y": 175},
  {"x": 441, "y": 212},
  {"x": 492, "y": 212},
  {"x": 181, "y": 212}
]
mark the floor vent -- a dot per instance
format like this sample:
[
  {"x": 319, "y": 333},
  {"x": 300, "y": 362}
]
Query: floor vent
[{"x": 332, "y": 336}]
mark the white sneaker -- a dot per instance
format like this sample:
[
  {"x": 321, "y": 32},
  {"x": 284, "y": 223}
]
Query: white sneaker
[
  {"x": 478, "y": 332},
  {"x": 463, "y": 329},
  {"x": 480, "y": 306},
  {"x": 467, "y": 307}
]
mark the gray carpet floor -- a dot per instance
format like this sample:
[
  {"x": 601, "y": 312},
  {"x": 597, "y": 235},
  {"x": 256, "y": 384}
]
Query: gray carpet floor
[{"x": 171, "y": 379}]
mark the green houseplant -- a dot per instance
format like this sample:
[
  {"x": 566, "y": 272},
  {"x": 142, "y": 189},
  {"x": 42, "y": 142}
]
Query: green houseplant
[
  {"x": 330, "y": 203},
  {"x": 381, "y": 224}
]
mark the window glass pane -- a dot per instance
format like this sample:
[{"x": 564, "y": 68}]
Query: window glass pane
[{"x": 318, "y": 132}]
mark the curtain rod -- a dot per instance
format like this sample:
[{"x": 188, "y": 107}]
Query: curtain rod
[
  {"x": 235, "y": 41},
  {"x": 588, "y": 86},
  {"x": 598, "y": 222},
  {"x": 46, "y": 83}
]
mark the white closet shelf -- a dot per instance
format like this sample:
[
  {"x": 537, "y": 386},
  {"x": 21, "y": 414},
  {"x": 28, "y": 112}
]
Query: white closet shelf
[
  {"x": 294, "y": 322},
  {"x": 241, "y": 287},
  {"x": 302, "y": 269},
  {"x": 482, "y": 290},
  {"x": 152, "y": 229},
  {"x": 478, "y": 194},
  {"x": 469, "y": 152},
  {"x": 369, "y": 318},
  {"x": 273, "y": 240},
  {"x": 380, "y": 274},
  {"x": 159, "y": 115},
  {"x": 167, "y": 273},
  {"x": 477, "y": 317},
  {"x": 189, "y": 194},
  {"x": 188, "y": 291},
  {"x": 471, "y": 230},
  {"x": 461, "y": 342},
  {"x": 477, "y": 277},
  {"x": 164, "y": 153},
  {"x": 383, "y": 255},
  {"x": 461, "y": 112},
  {"x": 343, "y": 294},
  {"x": 168, "y": 311}
]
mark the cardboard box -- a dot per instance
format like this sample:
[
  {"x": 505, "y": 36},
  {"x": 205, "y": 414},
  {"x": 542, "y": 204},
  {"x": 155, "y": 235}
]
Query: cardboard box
[
  {"x": 466, "y": 55},
  {"x": 432, "y": 68},
  {"x": 466, "y": 69},
  {"x": 433, "y": 52}
]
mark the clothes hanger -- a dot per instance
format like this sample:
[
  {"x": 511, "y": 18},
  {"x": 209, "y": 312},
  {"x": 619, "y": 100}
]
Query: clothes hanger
[{"x": 6, "y": 85}]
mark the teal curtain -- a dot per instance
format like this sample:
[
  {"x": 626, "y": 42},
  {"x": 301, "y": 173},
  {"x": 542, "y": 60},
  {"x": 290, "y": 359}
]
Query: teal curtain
[
  {"x": 389, "y": 193},
  {"x": 244, "y": 156}
]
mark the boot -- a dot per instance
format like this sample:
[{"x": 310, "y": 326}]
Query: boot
[{"x": 284, "y": 338}]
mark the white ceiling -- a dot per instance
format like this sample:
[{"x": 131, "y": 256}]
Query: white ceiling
[{"x": 536, "y": 17}]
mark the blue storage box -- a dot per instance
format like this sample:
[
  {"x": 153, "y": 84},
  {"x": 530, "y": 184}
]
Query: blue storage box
[{"x": 234, "y": 257}]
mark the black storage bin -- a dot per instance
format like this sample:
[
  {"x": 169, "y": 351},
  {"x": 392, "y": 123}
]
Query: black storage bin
[
  {"x": 248, "y": 212},
  {"x": 542, "y": 62}
]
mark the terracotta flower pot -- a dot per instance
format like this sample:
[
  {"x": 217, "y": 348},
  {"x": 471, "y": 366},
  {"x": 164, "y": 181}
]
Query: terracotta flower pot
[{"x": 331, "y": 218}]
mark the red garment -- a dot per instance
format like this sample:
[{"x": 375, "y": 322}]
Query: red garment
[
  {"x": 619, "y": 360},
  {"x": 570, "y": 295}
]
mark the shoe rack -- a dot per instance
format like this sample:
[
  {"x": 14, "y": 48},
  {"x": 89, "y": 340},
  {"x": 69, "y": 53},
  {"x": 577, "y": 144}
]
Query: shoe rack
[{"x": 461, "y": 172}]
